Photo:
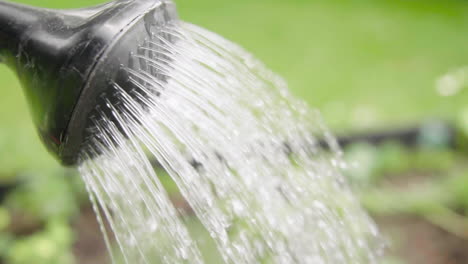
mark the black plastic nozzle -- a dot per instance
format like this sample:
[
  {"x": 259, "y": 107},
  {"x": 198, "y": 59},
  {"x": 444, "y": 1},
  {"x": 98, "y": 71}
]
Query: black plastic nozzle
[{"x": 66, "y": 59}]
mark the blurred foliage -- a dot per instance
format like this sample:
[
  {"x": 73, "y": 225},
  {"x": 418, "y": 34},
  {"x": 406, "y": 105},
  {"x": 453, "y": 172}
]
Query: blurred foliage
[
  {"x": 35, "y": 218},
  {"x": 462, "y": 126},
  {"x": 51, "y": 245},
  {"x": 425, "y": 181},
  {"x": 363, "y": 63}
]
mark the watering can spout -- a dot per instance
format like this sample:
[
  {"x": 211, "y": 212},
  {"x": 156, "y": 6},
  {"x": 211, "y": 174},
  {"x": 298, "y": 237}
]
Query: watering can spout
[
  {"x": 57, "y": 53},
  {"x": 21, "y": 23},
  {"x": 15, "y": 19},
  {"x": 47, "y": 49}
]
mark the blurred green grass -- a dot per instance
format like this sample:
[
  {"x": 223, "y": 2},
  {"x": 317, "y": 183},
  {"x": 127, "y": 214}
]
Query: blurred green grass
[{"x": 363, "y": 63}]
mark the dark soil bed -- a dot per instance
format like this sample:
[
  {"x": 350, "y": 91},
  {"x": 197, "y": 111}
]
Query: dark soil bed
[{"x": 414, "y": 241}]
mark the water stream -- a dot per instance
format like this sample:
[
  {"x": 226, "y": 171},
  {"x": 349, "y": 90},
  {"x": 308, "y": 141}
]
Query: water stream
[{"x": 257, "y": 167}]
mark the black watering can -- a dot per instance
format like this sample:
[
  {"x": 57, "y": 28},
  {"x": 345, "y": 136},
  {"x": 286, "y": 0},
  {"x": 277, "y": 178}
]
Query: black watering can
[{"x": 66, "y": 60}]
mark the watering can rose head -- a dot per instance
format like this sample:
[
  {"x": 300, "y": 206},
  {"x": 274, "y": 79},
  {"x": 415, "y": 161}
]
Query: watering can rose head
[{"x": 67, "y": 60}]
